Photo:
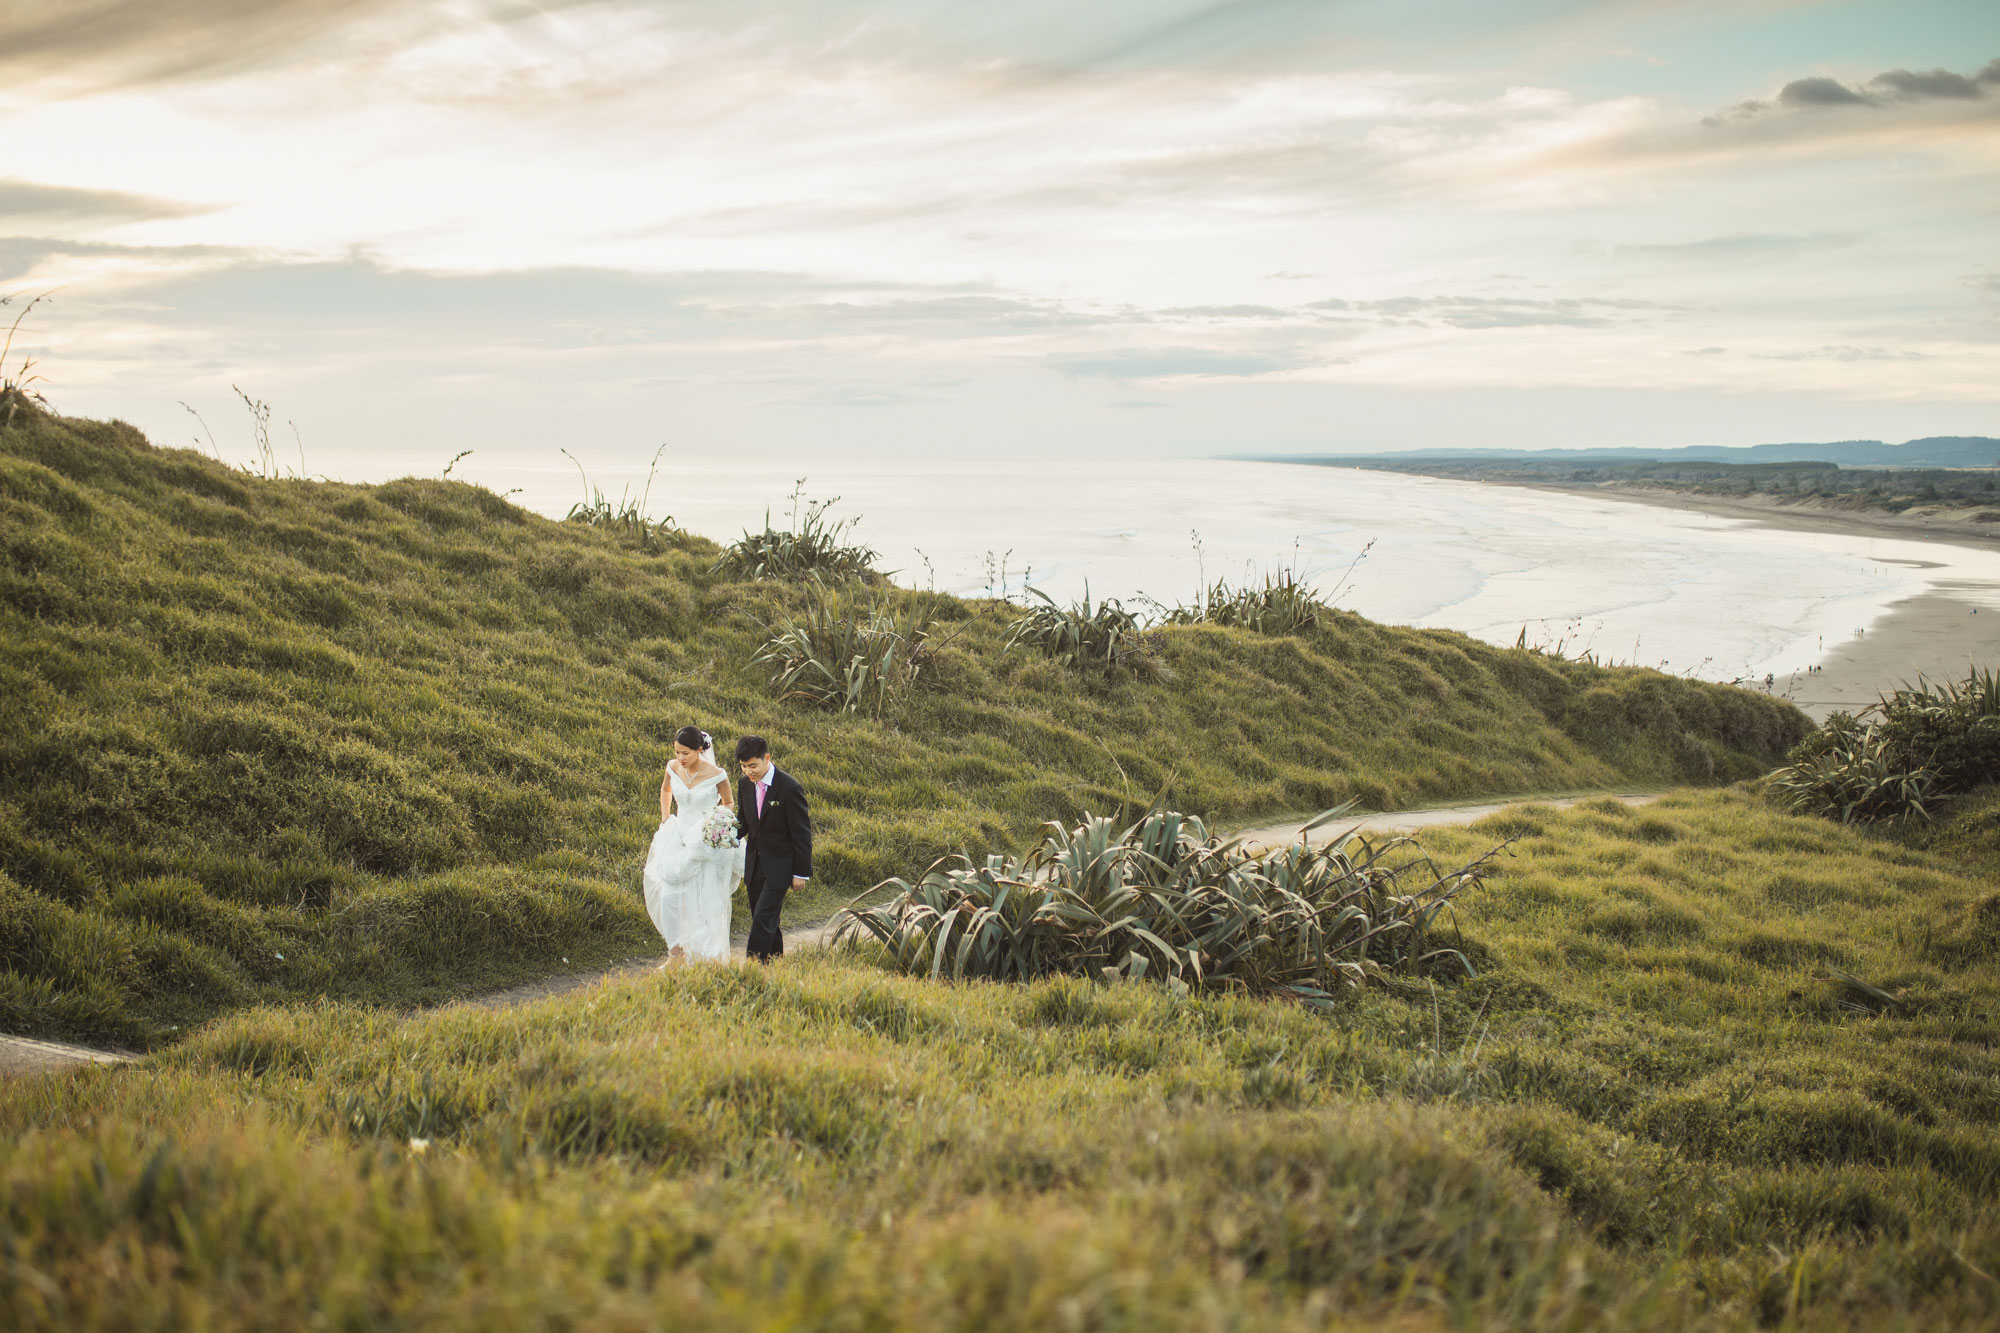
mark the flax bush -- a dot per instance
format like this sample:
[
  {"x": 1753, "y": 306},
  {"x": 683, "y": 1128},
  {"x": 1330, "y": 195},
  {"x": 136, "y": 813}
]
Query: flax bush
[
  {"x": 852, "y": 652},
  {"x": 1104, "y": 636},
  {"x": 810, "y": 546},
  {"x": 1281, "y": 604},
  {"x": 1166, "y": 898},
  {"x": 1903, "y": 754}
]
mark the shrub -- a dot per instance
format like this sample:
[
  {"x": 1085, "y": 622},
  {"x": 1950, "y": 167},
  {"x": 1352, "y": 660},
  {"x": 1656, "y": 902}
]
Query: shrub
[
  {"x": 813, "y": 546},
  {"x": 1165, "y": 897},
  {"x": 625, "y": 520},
  {"x": 1926, "y": 741},
  {"x": 1082, "y": 636},
  {"x": 852, "y": 652},
  {"x": 1281, "y": 604}
]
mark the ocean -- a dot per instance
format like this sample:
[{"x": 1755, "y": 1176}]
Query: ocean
[{"x": 1717, "y": 598}]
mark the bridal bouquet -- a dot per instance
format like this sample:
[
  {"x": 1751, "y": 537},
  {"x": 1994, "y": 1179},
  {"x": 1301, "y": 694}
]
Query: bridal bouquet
[{"x": 718, "y": 828}]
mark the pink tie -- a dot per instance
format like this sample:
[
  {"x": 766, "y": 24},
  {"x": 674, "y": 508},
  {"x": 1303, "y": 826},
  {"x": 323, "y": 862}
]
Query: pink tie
[{"x": 760, "y": 800}]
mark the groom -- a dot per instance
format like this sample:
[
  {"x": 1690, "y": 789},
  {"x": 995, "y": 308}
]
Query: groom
[{"x": 778, "y": 842}]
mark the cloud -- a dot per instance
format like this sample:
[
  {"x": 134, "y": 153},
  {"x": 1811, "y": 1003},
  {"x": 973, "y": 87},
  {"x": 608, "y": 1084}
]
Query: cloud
[
  {"x": 1159, "y": 363},
  {"x": 150, "y": 39},
  {"x": 1911, "y": 86},
  {"x": 1741, "y": 246},
  {"x": 1494, "y": 312},
  {"x": 20, "y": 256},
  {"x": 46, "y": 204},
  {"x": 851, "y": 395},
  {"x": 1227, "y": 312},
  {"x": 952, "y": 316},
  {"x": 1843, "y": 353},
  {"x": 1819, "y": 92},
  {"x": 1889, "y": 88}
]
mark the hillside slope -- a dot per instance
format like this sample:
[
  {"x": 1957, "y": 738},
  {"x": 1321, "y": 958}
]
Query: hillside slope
[
  {"x": 1722, "y": 1068},
  {"x": 272, "y": 738}
]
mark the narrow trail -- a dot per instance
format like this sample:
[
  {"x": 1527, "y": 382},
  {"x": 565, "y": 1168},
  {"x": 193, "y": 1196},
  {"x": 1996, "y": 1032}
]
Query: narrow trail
[{"x": 27, "y": 1055}]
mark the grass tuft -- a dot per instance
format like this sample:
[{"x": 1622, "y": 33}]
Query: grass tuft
[{"x": 810, "y": 546}]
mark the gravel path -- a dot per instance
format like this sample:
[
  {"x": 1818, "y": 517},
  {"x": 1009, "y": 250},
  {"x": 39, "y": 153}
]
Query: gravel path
[{"x": 25, "y": 1055}]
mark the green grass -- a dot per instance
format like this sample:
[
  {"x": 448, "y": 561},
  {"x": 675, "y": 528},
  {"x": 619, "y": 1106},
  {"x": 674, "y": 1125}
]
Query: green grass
[
  {"x": 264, "y": 738},
  {"x": 1655, "y": 1107}
]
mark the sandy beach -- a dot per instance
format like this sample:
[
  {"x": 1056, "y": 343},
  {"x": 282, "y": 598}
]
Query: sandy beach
[
  {"x": 1935, "y": 636},
  {"x": 1920, "y": 524}
]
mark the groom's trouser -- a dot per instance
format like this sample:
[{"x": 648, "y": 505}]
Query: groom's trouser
[{"x": 769, "y": 880}]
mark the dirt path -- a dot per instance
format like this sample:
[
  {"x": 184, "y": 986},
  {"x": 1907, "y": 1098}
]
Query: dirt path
[
  {"x": 24, "y": 1055},
  {"x": 1411, "y": 821},
  {"x": 28, "y": 1055},
  {"x": 804, "y": 935}
]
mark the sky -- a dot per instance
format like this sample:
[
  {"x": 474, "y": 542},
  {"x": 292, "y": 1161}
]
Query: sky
[{"x": 1137, "y": 230}]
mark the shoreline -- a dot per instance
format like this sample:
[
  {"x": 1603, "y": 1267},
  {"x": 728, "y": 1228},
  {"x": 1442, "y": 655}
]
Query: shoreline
[
  {"x": 1936, "y": 635},
  {"x": 1783, "y": 517}
]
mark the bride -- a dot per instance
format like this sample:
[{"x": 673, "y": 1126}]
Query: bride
[{"x": 689, "y": 883}]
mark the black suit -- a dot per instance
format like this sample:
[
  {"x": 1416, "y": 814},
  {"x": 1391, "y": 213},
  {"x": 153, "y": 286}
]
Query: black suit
[{"x": 778, "y": 845}]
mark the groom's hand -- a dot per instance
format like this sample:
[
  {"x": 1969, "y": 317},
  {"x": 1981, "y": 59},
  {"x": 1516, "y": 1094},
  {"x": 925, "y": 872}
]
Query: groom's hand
[{"x": 798, "y": 881}]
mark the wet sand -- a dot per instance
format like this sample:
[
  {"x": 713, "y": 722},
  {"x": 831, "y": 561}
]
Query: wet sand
[
  {"x": 1936, "y": 635},
  {"x": 1914, "y": 525}
]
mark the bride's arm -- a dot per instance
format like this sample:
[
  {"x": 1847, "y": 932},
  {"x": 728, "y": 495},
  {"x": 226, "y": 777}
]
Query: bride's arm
[
  {"x": 728, "y": 797},
  {"x": 666, "y": 796}
]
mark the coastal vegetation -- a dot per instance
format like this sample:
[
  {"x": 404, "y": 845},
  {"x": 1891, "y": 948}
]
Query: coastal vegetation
[
  {"x": 853, "y": 649},
  {"x": 1104, "y": 636},
  {"x": 1279, "y": 603},
  {"x": 283, "y": 762},
  {"x": 1902, "y": 755},
  {"x": 1720, "y": 1067},
  {"x": 1971, "y": 494},
  {"x": 278, "y": 737},
  {"x": 812, "y": 545},
  {"x": 1167, "y": 899}
]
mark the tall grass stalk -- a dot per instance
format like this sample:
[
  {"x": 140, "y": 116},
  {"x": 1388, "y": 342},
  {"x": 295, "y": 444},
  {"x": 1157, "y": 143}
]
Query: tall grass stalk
[
  {"x": 627, "y": 520},
  {"x": 811, "y": 545},
  {"x": 17, "y": 389},
  {"x": 1281, "y": 604}
]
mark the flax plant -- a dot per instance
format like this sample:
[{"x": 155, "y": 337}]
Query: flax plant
[
  {"x": 1082, "y": 635},
  {"x": 810, "y": 546},
  {"x": 1281, "y": 604},
  {"x": 627, "y": 520},
  {"x": 1164, "y": 897},
  {"x": 850, "y": 652},
  {"x": 1904, "y": 753}
]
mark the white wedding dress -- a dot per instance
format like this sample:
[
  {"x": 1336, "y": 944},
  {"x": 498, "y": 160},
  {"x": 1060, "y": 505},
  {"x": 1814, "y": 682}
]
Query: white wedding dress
[{"x": 689, "y": 885}]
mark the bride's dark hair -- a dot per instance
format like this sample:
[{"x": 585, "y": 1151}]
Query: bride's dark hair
[{"x": 694, "y": 738}]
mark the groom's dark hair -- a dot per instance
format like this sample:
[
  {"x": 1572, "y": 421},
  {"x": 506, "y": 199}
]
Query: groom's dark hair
[{"x": 751, "y": 747}]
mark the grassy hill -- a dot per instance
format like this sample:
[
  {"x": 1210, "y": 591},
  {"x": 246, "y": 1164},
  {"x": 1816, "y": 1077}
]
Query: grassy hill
[
  {"x": 1722, "y": 1068},
  {"x": 282, "y": 738}
]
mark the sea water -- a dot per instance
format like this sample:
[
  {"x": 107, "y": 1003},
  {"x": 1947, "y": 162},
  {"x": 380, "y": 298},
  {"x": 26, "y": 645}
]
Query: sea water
[{"x": 1687, "y": 592}]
